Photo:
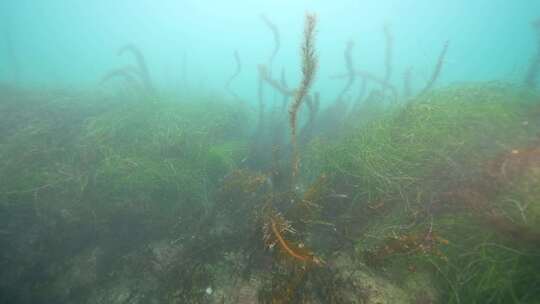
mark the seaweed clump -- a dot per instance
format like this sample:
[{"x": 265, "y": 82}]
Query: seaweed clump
[
  {"x": 274, "y": 232},
  {"x": 456, "y": 161}
]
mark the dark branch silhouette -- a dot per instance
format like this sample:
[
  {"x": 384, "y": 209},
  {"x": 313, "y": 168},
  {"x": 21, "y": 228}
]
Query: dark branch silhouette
[
  {"x": 277, "y": 40},
  {"x": 534, "y": 67},
  {"x": 141, "y": 65},
  {"x": 437, "y": 70},
  {"x": 234, "y": 75}
]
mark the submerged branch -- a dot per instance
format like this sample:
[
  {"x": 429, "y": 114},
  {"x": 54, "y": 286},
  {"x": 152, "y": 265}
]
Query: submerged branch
[
  {"x": 234, "y": 75},
  {"x": 370, "y": 77},
  {"x": 350, "y": 71},
  {"x": 141, "y": 65},
  {"x": 531, "y": 77},
  {"x": 277, "y": 43},
  {"x": 279, "y": 86},
  {"x": 309, "y": 68},
  {"x": 407, "y": 89},
  {"x": 283, "y": 82},
  {"x": 389, "y": 40},
  {"x": 129, "y": 74},
  {"x": 438, "y": 69}
]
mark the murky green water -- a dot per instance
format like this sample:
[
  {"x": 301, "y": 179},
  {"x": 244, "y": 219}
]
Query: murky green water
[{"x": 269, "y": 152}]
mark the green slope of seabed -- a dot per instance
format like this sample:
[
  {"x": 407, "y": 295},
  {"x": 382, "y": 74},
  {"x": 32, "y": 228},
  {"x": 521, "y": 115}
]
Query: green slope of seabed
[
  {"x": 447, "y": 185},
  {"x": 113, "y": 201}
]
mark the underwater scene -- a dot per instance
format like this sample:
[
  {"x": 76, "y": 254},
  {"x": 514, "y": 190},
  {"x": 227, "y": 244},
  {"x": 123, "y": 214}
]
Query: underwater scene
[{"x": 256, "y": 151}]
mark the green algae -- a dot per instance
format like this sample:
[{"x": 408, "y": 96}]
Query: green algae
[
  {"x": 127, "y": 175},
  {"x": 398, "y": 169}
]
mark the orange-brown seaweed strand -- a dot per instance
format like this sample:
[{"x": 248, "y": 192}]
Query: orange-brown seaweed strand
[
  {"x": 283, "y": 244},
  {"x": 309, "y": 67}
]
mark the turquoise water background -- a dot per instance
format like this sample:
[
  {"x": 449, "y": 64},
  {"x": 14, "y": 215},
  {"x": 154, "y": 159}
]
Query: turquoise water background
[{"x": 72, "y": 44}]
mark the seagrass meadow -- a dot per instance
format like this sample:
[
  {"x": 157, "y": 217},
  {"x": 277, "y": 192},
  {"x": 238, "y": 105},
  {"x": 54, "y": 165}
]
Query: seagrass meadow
[{"x": 355, "y": 152}]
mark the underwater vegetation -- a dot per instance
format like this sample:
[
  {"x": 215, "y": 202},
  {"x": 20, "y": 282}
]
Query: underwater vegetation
[
  {"x": 234, "y": 75},
  {"x": 396, "y": 168},
  {"x": 137, "y": 77},
  {"x": 309, "y": 67},
  {"x": 531, "y": 78},
  {"x": 385, "y": 195}
]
